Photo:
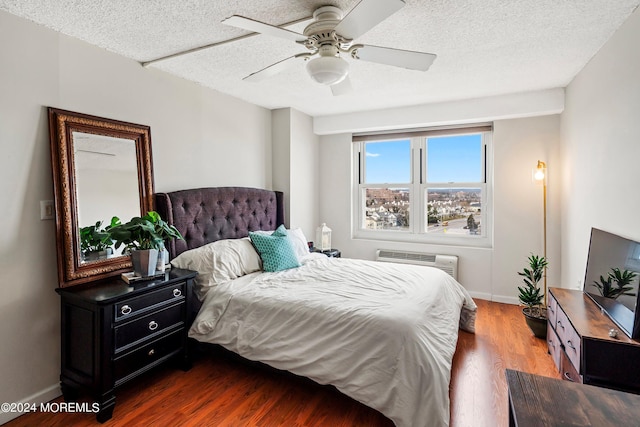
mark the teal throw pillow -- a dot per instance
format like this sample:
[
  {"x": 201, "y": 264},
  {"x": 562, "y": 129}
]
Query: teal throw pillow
[
  {"x": 275, "y": 250},
  {"x": 280, "y": 231}
]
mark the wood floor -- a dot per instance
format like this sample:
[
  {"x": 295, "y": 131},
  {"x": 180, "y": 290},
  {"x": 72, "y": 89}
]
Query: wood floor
[{"x": 220, "y": 390}]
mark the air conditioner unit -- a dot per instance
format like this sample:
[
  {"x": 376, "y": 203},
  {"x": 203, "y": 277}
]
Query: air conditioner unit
[{"x": 446, "y": 263}]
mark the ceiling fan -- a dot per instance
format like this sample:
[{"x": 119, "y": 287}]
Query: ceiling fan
[{"x": 329, "y": 36}]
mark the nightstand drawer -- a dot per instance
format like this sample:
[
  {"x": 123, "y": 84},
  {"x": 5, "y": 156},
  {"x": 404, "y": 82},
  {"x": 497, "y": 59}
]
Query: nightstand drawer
[
  {"x": 146, "y": 356},
  {"x": 129, "y": 308},
  {"x": 148, "y": 326}
]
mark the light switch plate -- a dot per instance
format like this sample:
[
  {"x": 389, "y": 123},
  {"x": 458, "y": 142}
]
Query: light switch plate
[{"x": 46, "y": 209}]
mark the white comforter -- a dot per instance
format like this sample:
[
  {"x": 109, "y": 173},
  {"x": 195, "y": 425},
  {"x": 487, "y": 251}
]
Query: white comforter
[{"x": 381, "y": 333}]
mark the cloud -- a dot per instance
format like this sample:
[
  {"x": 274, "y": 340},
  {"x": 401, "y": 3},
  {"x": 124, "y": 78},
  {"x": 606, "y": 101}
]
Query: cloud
[{"x": 368, "y": 154}]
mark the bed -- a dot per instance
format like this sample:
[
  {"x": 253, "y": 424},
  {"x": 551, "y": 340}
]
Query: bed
[{"x": 381, "y": 333}]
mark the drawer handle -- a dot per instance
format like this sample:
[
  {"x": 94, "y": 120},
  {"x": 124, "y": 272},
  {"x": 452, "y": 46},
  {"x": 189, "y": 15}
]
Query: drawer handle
[
  {"x": 177, "y": 292},
  {"x": 560, "y": 324},
  {"x": 551, "y": 309},
  {"x": 152, "y": 352},
  {"x": 570, "y": 344},
  {"x": 568, "y": 377},
  {"x": 153, "y": 325},
  {"x": 125, "y": 309}
]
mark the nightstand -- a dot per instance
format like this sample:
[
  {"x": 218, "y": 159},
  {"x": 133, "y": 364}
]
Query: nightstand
[
  {"x": 113, "y": 331},
  {"x": 331, "y": 253}
]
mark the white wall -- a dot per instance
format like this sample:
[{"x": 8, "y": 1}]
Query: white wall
[
  {"x": 295, "y": 167},
  {"x": 488, "y": 273},
  {"x": 304, "y": 174},
  {"x": 199, "y": 138},
  {"x": 499, "y": 107},
  {"x": 518, "y": 201},
  {"x": 601, "y": 149},
  {"x": 281, "y": 156}
]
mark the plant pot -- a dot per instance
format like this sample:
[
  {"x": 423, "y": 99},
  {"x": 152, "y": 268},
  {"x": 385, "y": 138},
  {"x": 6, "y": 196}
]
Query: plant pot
[
  {"x": 537, "y": 323},
  {"x": 163, "y": 255},
  {"x": 145, "y": 262}
]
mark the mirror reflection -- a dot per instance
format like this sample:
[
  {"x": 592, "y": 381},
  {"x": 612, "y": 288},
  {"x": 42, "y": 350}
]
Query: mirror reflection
[{"x": 106, "y": 186}]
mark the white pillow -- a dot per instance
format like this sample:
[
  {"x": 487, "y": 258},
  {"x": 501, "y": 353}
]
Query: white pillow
[
  {"x": 297, "y": 239},
  {"x": 219, "y": 262},
  {"x": 299, "y": 242}
]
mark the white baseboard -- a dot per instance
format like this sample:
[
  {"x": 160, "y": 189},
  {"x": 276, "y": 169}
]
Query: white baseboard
[
  {"x": 496, "y": 298},
  {"x": 506, "y": 300},
  {"x": 480, "y": 295},
  {"x": 42, "y": 396}
]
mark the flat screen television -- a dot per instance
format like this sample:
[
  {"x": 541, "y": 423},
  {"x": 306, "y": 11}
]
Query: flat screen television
[{"x": 607, "y": 253}]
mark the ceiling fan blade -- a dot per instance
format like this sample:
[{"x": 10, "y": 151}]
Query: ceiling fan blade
[
  {"x": 276, "y": 68},
  {"x": 398, "y": 58},
  {"x": 261, "y": 27},
  {"x": 366, "y": 15},
  {"x": 342, "y": 88}
]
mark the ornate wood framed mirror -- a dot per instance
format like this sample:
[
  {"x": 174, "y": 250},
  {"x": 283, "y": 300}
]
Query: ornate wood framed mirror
[{"x": 101, "y": 168}]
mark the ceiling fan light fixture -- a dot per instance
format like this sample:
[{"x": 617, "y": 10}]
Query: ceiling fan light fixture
[{"x": 328, "y": 70}]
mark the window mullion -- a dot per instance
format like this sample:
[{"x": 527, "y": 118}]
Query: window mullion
[{"x": 421, "y": 197}]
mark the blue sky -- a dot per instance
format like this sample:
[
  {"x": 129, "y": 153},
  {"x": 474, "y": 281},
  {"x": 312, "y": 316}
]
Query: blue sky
[{"x": 451, "y": 159}]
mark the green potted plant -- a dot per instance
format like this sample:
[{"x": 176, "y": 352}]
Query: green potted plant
[
  {"x": 142, "y": 237},
  {"x": 531, "y": 295},
  {"x": 95, "y": 242},
  {"x": 617, "y": 283}
]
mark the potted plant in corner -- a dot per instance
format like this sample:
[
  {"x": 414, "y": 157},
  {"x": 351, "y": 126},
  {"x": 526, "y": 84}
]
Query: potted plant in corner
[
  {"x": 95, "y": 243},
  {"x": 531, "y": 295},
  {"x": 142, "y": 238}
]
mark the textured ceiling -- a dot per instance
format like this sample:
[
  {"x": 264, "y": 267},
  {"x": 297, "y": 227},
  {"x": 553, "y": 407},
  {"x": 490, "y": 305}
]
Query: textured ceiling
[{"x": 484, "y": 47}]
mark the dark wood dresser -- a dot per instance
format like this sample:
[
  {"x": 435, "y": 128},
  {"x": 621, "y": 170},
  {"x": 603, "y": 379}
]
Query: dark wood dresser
[
  {"x": 579, "y": 342},
  {"x": 536, "y": 401},
  {"x": 113, "y": 331}
]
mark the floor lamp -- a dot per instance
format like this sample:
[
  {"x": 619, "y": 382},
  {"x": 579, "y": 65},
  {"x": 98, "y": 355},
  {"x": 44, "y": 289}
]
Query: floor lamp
[{"x": 540, "y": 175}]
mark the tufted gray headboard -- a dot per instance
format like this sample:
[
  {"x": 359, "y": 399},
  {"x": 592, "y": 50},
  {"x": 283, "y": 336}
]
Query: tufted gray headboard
[{"x": 204, "y": 215}]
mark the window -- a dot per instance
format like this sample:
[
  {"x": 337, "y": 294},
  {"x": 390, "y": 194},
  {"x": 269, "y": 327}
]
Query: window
[{"x": 427, "y": 186}]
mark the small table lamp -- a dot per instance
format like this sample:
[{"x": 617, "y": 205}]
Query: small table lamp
[{"x": 323, "y": 237}]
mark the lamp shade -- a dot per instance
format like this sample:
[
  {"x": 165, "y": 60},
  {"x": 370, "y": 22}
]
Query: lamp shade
[{"x": 328, "y": 70}]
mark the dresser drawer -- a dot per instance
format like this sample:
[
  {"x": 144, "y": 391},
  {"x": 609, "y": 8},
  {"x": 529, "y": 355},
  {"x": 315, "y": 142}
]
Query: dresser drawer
[
  {"x": 148, "y": 326},
  {"x": 562, "y": 325},
  {"x": 552, "y": 309},
  {"x": 567, "y": 370},
  {"x": 129, "y": 308},
  {"x": 553, "y": 344},
  {"x": 571, "y": 345},
  {"x": 569, "y": 337},
  {"x": 146, "y": 356}
]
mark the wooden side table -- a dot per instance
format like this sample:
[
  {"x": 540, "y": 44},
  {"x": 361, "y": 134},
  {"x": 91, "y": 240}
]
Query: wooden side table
[{"x": 547, "y": 402}]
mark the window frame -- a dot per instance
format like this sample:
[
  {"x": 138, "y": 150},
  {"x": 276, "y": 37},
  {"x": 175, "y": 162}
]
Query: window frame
[{"x": 418, "y": 187}]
